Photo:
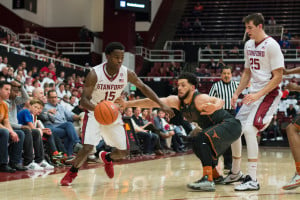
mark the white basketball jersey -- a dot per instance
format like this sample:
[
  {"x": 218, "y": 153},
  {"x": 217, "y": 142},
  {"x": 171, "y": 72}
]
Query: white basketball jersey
[
  {"x": 108, "y": 88},
  {"x": 262, "y": 59}
]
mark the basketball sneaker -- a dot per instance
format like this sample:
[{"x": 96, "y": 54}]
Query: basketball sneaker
[
  {"x": 219, "y": 180},
  {"x": 231, "y": 177},
  {"x": 247, "y": 185},
  {"x": 294, "y": 183},
  {"x": 202, "y": 185},
  {"x": 68, "y": 178},
  {"x": 108, "y": 166}
]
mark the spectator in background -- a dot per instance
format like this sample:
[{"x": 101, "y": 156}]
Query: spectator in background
[
  {"x": 2, "y": 64},
  {"x": 198, "y": 9},
  {"x": 212, "y": 64},
  {"x": 287, "y": 34},
  {"x": 61, "y": 91},
  {"x": 38, "y": 93},
  {"x": 234, "y": 53},
  {"x": 274, "y": 127},
  {"x": 144, "y": 137},
  {"x": 76, "y": 95},
  {"x": 197, "y": 25},
  {"x": 221, "y": 64},
  {"x": 291, "y": 111},
  {"x": 186, "y": 25},
  {"x": 285, "y": 93},
  {"x": 150, "y": 129},
  {"x": 10, "y": 74},
  {"x": 284, "y": 44},
  {"x": 48, "y": 79},
  {"x": 208, "y": 50},
  {"x": 15, "y": 139},
  {"x": 27, "y": 118},
  {"x": 65, "y": 103},
  {"x": 59, "y": 120},
  {"x": 272, "y": 21},
  {"x": 4, "y": 74},
  {"x": 61, "y": 77}
]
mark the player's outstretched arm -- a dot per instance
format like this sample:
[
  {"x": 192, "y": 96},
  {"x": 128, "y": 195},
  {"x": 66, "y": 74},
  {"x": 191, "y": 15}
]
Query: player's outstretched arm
[
  {"x": 171, "y": 101},
  {"x": 291, "y": 71},
  {"x": 207, "y": 105},
  {"x": 88, "y": 88},
  {"x": 148, "y": 92}
]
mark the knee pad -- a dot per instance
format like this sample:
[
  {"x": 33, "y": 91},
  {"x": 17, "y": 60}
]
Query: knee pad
[
  {"x": 236, "y": 148},
  {"x": 250, "y": 133}
]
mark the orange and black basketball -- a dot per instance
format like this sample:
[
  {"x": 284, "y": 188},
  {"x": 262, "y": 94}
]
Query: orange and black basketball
[{"x": 106, "y": 112}]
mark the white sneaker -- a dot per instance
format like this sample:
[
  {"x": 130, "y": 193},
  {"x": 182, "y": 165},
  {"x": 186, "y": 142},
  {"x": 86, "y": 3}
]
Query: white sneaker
[
  {"x": 294, "y": 183},
  {"x": 34, "y": 166},
  {"x": 231, "y": 177},
  {"x": 247, "y": 185},
  {"x": 44, "y": 164}
]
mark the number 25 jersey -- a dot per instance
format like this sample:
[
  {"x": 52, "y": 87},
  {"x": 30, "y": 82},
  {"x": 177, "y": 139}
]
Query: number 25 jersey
[{"x": 262, "y": 59}]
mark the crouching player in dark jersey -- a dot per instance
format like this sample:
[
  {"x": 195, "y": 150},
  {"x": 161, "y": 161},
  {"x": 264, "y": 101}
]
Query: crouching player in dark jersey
[{"x": 219, "y": 128}]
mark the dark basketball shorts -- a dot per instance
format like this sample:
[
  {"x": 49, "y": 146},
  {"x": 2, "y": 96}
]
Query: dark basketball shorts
[{"x": 222, "y": 135}]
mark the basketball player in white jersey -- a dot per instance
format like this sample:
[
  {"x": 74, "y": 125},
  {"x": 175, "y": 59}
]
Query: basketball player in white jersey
[
  {"x": 264, "y": 64},
  {"x": 106, "y": 82}
]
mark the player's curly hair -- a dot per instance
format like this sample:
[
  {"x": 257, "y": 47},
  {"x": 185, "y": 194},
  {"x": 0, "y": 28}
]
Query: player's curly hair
[
  {"x": 191, "y": 78},
  {"x": 113, "y": 46}
]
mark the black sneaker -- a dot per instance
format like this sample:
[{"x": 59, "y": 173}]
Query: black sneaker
[
  {"x": 18, "y": 167},
  {"x": 6, "y": 168}
]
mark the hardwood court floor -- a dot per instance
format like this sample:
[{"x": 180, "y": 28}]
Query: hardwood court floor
[{"x": 163, "y": 178}]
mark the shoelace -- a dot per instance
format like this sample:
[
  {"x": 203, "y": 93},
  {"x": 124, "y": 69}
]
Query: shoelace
[{"x": 204, "y": 178}]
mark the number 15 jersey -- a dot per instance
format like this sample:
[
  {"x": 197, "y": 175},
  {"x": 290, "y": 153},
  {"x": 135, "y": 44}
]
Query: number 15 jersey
[
  {"x": 262, "y": 59},
  {"x": 108, "y": 88}
]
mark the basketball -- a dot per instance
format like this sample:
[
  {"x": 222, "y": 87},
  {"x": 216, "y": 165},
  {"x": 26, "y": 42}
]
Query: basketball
[{"x": 106, "y": 112}]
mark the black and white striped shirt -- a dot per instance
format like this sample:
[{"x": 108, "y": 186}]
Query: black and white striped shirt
[{"x": 224, "y": 91}]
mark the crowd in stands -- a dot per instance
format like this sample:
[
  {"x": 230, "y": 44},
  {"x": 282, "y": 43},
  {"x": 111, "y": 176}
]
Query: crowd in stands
[
  {"x": 35, "y": 51},
  {"x": 44, "y": 112},
  {"x": 44, "y": 108}
]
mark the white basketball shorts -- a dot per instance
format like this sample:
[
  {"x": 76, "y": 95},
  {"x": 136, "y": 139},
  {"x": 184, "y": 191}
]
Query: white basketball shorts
[
  {"x": 260, "y": 113},
  {"x": 114, "y": 134}
]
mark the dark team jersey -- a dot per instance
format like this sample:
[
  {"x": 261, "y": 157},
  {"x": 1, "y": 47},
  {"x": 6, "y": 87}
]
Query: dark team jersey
[{"x": 190, "y": 112}]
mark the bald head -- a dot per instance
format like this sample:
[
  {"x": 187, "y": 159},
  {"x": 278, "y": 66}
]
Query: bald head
[{"x": 38, "y": 93}]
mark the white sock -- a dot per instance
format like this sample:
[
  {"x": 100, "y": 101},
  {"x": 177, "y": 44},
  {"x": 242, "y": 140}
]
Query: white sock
[
  {"x": 252, "y": 168},
  {"x": 236, "y": 165}
]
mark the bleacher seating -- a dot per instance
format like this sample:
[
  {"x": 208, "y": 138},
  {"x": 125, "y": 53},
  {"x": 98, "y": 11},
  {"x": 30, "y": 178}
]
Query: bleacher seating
[{"x": 222, "y": 19}]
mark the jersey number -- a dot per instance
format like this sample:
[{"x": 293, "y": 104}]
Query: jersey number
[
  {"x": 109, "y": 96},
  {"x": 254, "y": 63}
]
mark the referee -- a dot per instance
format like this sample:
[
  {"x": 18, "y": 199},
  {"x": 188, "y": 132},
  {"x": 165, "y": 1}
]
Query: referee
[{"x": 224, "y": 89}]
